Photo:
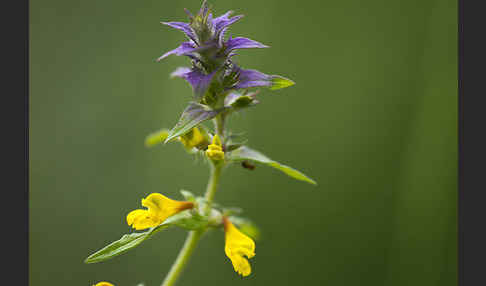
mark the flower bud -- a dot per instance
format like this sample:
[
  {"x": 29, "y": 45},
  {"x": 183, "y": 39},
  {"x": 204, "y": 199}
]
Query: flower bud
[
  {"x": 103, "y": 283},
  {"x": 215, "y": 150}
]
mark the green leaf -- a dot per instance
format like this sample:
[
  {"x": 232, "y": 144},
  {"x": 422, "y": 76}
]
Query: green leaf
[
  {"x": 193, "y": 115},
  {"x": 246, "y": 153},
  {"x": 186, "y": 219},
  {"x": 126, "y": 242},
  {"x": 279, "y": 82},
  {"x": 232, "y": 147},
  {"x": 156, "y": 137},
  {"x": 235, "y": 136}
]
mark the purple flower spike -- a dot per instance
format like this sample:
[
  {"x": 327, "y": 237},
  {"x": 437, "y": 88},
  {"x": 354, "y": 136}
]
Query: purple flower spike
[
  {"x": 184, "y": 27},
  {"x": 198, "y": 80},
  {"x": 221, "y": 18},
  {"x": 242, "y": 43},
  {"x": 204, "y": 8},
  {"x": 221, "y": 37},
  {"x": 224, "y": 21},
  {"x": 211, "y": 54},
  {"x": 180, "y": 71},
  {"x": 252, "y": 78},
  {"x": 184, "y": 48}
]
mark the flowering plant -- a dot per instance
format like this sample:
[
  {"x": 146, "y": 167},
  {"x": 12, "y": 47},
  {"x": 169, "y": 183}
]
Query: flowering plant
[{"x": 220, "y": 89}]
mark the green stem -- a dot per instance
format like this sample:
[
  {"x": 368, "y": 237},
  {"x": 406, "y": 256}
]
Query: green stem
[
  {"x": 183, "y": 257},
  {"x": 194, "y": 236},
  {"x": 212, "y": 185},
  {"x": 219, "y": 122}
]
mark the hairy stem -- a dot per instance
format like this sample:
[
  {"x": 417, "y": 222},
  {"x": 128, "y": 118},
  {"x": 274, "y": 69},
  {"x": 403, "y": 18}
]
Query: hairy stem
[{"x": 194, "y": 235}]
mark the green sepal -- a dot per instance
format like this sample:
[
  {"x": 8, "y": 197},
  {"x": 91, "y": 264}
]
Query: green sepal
[
  {"x": 242, "y": 101},
  {"x": 279, "y": 82},
  {"x": 193, "y": 115},
  {"x": 188, "y": 195},
  {"x": 187, "y": 219},
  {"x": 157, "y": 137},
  {"x": 246, "y": 153},
  {"x": 231, "y": 210}
]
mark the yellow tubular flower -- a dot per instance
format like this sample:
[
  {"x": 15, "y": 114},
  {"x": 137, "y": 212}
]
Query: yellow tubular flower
[
  {"x": 193, "y": 138},
  {"x": 103, "y": 283},
  {"x": 238, "y": 245},
  {"x": 159, "y": 209},
  {"x": 215, "y": 150}
]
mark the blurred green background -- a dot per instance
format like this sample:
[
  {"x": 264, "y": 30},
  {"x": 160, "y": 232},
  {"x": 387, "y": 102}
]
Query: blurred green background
[{"x": 372, "y": 119}]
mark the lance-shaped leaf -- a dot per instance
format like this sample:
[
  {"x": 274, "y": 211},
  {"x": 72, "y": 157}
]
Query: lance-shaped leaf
[
  {"x": 185, "y": 219},
  {"x": 193, "y": 115},
  {"x": 246, "y": 153}
]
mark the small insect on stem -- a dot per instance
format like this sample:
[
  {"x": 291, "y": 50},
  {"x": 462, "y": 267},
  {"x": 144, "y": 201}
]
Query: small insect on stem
[{"x": 247, "y": 165}]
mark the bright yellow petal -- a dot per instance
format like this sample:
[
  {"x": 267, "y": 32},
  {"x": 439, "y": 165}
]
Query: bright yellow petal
[
  {"x": 155, "y": 202},
  {"x": 241, "y": 265},
  {"x": 103, "y": 283},
  {"x": 193, "y": 138},
  {"x": 142, "y": 219},
  {"x": 133, "y": 214},
  {"x": 236, "y": 240},
  {"x": 160, "y": 207},
  {"x": 237, "y": 246}
]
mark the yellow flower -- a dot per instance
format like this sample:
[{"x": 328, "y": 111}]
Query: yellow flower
[
  {"x": 215, "y": 150},
  {"x": 103, "y": 283},
  {"x": 193, "y": 138},
  {"x": 238, "y": 245},
  {"x": 159, "y": 209}
]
